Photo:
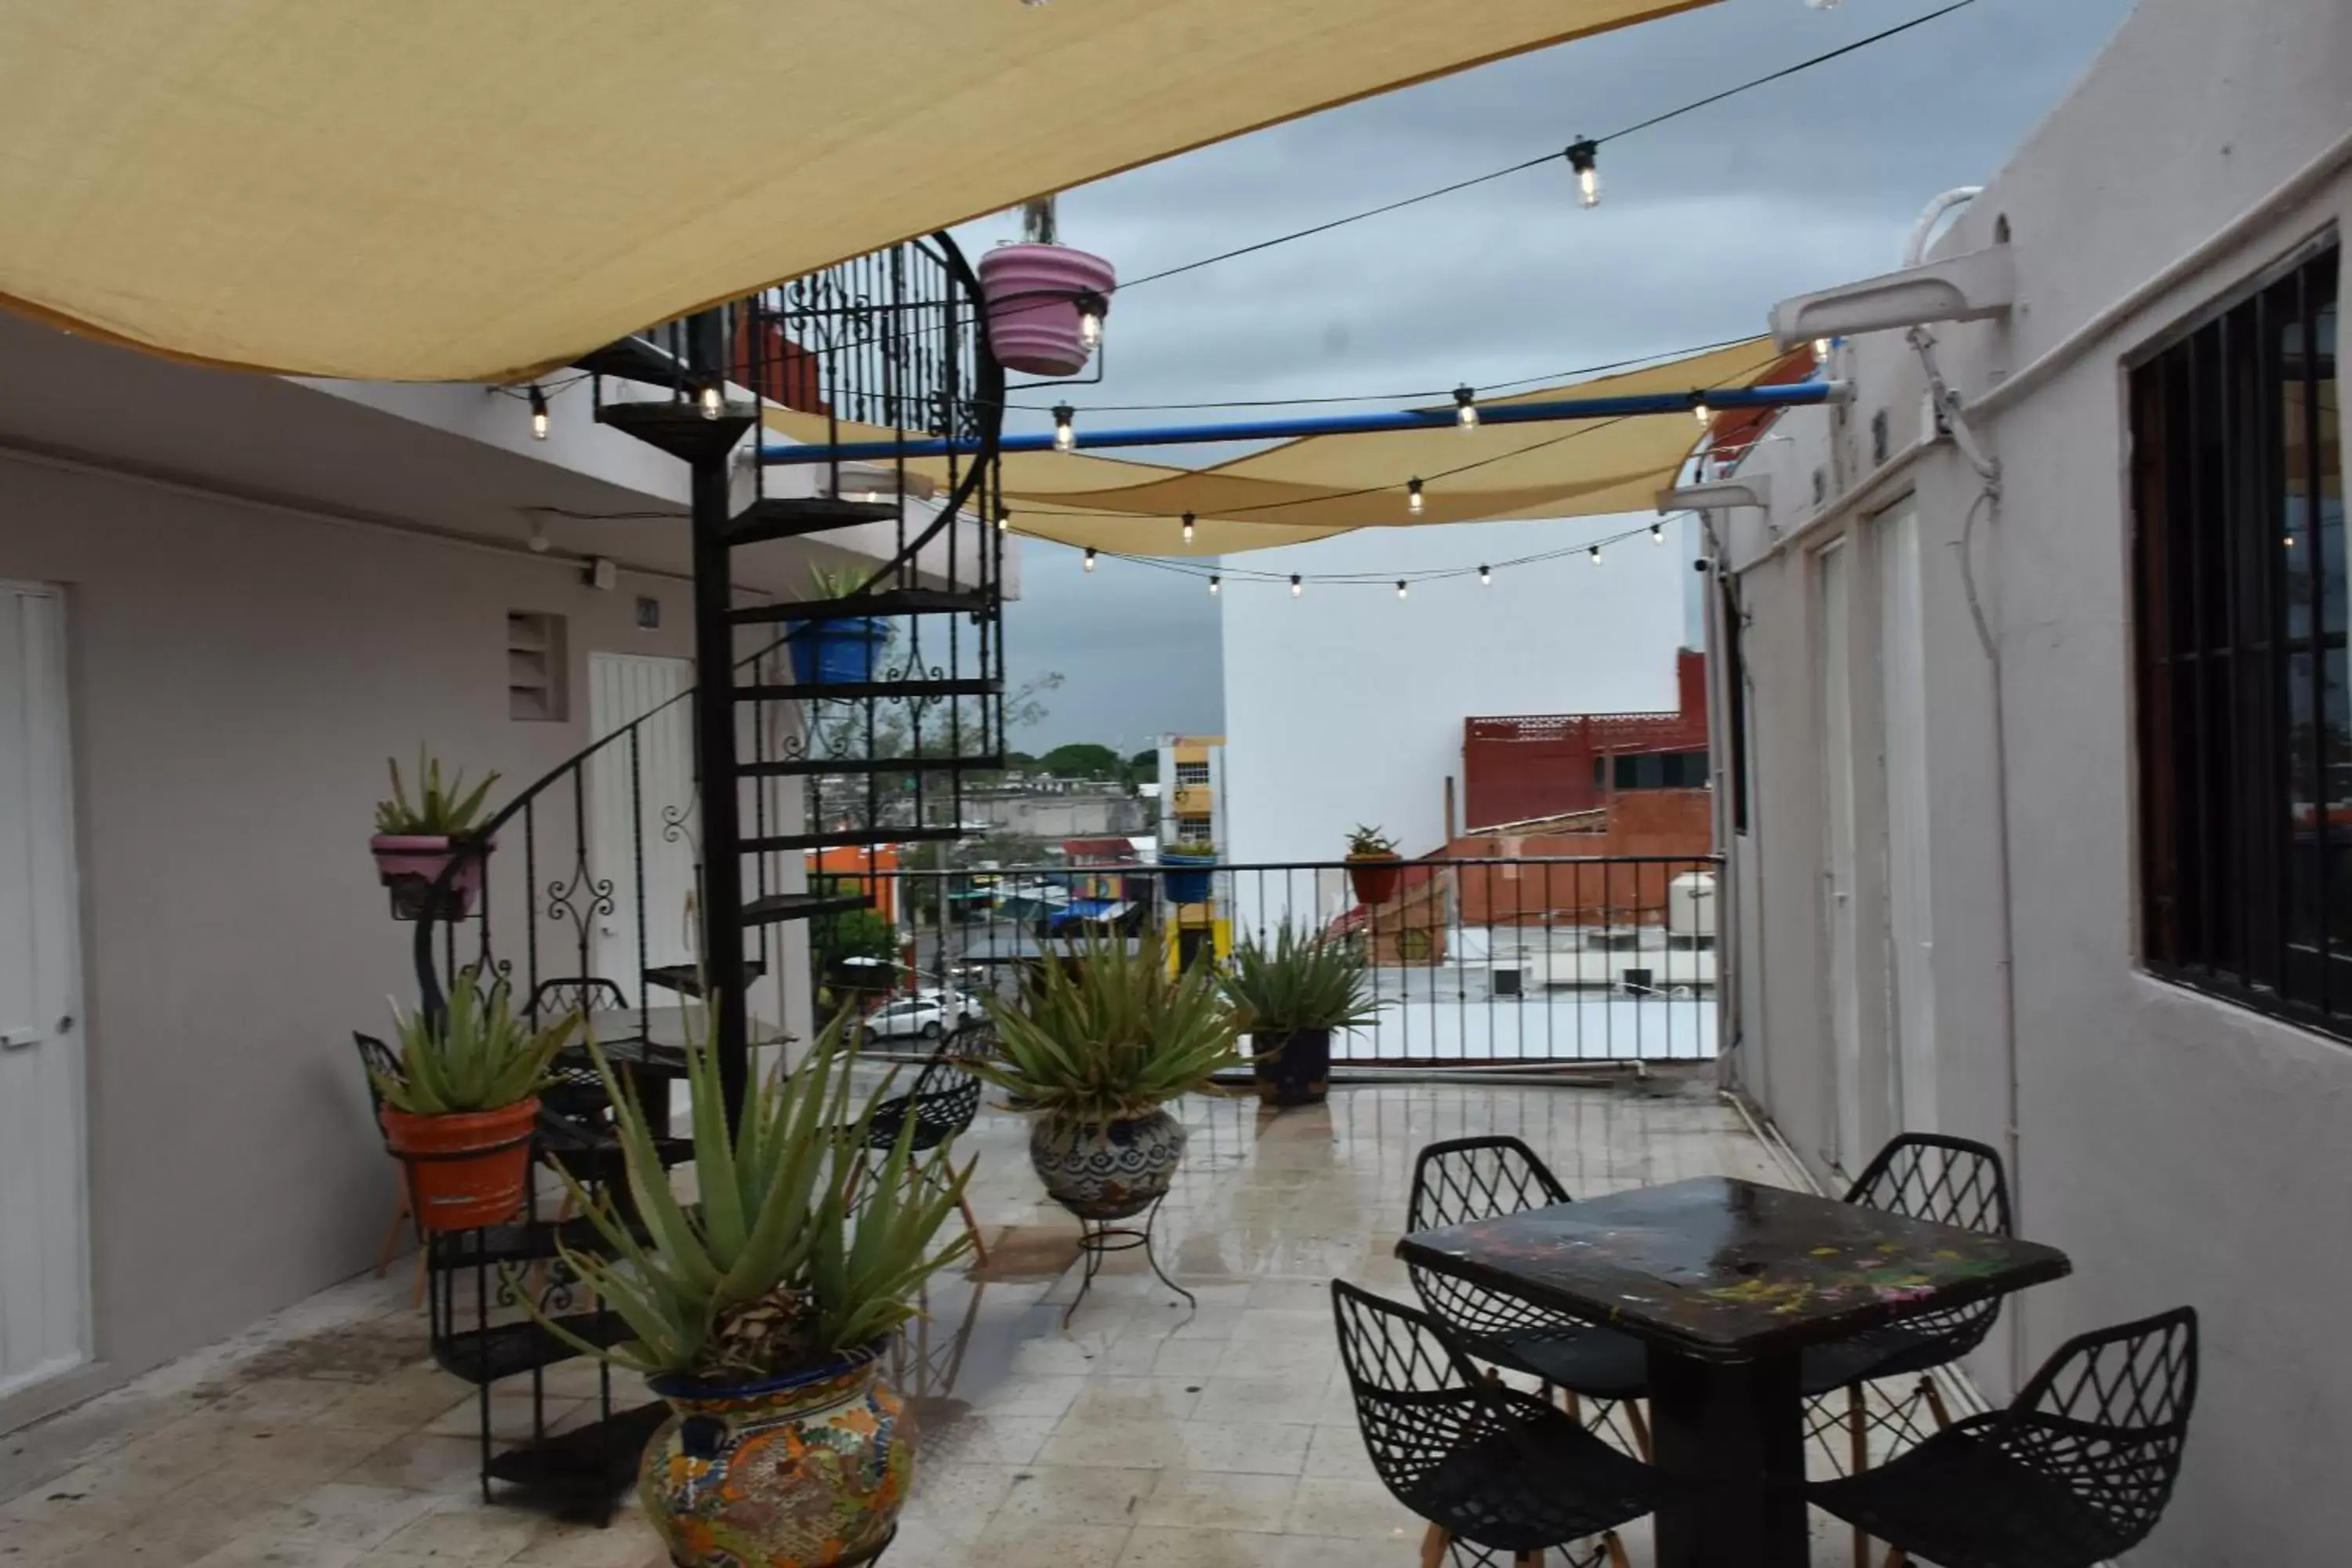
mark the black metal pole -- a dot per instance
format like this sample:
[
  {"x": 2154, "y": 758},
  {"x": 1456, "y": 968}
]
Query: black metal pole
[{"x": 714, "y": 734}]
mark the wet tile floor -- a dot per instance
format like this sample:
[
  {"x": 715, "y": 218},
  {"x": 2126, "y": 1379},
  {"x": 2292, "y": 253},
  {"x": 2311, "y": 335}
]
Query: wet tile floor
[{"x": 1145, "y": 1434}]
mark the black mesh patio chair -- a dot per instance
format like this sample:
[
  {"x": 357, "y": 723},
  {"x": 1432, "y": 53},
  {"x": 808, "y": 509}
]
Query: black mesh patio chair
[
  {"x": 577, "y": 1092},
  {"x": 941, "y": 1105},
  {"x": 1485, "y": 1464},
  {"x": 2076, "y": 1471},
  {"x": 1467, "y": 1179}
]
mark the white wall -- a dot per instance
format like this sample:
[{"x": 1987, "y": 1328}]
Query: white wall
[
  {"x": 2177, "y": 1148},
  {"x": 1346, "y": 705}
]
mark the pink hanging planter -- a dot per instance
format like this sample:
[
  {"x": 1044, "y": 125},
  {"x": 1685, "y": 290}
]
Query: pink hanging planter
[{"x": 1033, "y": 292}]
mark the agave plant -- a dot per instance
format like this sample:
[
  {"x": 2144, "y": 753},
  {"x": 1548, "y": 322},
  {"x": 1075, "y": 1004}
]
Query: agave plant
[
  {"x": 1298, "y": 982},
  {"x": 797, "y": 1252},
  {"x": 1105, "y": 1034},
  {"x": 439, "y": 811},
  {"x": 477, "y": 1056}
]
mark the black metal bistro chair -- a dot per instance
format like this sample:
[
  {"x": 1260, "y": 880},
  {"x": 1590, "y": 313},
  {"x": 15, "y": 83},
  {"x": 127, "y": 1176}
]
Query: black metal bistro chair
[
  {"x": 2076, "y": 1471},
  {"x": 1485, "y": 1464},
  {"x": 1467, "y": 1179},
  {"x": 942, "y": 1103},
  {"x": 578, "y": 1091}
]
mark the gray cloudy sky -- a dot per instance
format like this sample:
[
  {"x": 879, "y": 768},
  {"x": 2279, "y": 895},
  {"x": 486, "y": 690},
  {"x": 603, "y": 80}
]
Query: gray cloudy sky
[{"x": 1704, "y": 222}]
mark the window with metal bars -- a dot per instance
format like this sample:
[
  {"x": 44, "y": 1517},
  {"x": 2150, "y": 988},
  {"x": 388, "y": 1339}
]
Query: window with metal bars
[
  {"x": 1192, "y": 773},
  {"x": 2244, "y": 695},
  {"x": 1194, "y": 830}
]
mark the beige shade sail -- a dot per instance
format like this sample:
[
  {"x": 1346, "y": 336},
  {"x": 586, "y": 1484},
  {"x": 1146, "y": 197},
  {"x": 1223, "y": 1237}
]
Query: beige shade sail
[
  {"x": 444, "y": 190},
  {"x": 1321, "y": 485}
]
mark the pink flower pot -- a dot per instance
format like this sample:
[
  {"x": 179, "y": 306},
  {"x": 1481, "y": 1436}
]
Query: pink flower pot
[
  {"x": 1032, "y": 292},
  {"x": 409, "y": 864}
]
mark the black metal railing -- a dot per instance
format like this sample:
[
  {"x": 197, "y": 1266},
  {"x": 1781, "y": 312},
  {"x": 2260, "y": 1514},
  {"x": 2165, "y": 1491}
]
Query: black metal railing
[{"x": 1473, "y": 962}]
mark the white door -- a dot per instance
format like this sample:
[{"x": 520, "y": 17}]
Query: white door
[
  {"x": 44, "y": 1269},
  {"x": 1902, "y": 671},
  {"x": 1837, "y": 854},
  {"x": 661, "y": 834}
]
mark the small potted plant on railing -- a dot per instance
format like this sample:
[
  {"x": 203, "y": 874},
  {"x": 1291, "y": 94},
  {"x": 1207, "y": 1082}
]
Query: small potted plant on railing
[
  {"x": 1096, "y": 1046},
  {"x": 1186, "y": 880},
  {"x": 414, "y": 843},
  {"x": 460, "y": 1108},
  {"x": 1288, "y": 997},
  {"x": 761, "y": 1311},
  {"x": 839, "y": 650},
  {"x": 1374, "y": 867}
]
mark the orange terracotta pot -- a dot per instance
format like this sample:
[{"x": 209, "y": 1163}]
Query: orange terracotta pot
[
  {"x": 1375, "y": 877},
  {"x": 467, "y": 1170}
]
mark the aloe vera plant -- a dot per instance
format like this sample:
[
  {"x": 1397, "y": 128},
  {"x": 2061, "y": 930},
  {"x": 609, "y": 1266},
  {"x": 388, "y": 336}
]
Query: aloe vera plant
[
  {"x": 799, "y": 1251},
  {"x": 1297, "y": 982},
  {"x": 477, "y": 1056},
  {"x": 439, "y": 811},
  {"x": 1105, "y": 1035}
]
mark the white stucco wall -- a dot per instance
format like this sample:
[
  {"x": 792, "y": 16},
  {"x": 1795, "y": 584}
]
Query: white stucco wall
[
  {"x": 1346, "y": 705},
  {"x": 2180, "y": 1150}
]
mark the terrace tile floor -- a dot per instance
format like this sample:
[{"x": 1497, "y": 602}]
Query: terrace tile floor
[{"x": 1145, "y": 1435}]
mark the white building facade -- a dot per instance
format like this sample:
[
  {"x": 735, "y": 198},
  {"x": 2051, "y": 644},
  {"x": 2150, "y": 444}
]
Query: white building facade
[
  {"x": 2033, "y": 734},
  {"x": 1344, "y": 704}
]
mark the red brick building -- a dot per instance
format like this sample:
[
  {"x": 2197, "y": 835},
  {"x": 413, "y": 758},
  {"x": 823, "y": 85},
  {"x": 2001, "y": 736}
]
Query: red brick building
[{"x": 1531, "y": 768}]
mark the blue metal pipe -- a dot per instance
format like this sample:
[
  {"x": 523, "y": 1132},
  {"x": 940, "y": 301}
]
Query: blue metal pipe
[{"x": 1726, "y": 398}]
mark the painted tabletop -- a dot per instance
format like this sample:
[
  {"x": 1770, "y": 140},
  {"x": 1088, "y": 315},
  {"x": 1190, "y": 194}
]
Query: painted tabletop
[{"x": 1728, "y": 1270}]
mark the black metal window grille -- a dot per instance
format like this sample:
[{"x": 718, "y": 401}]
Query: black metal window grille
[
  {"x": 1192, "y": 773},
  {"x": 2244, "y": 726}
]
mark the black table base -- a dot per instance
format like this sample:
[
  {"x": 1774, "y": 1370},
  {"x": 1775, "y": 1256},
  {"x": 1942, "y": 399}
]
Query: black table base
[{"x": 1738, "y": 1428}]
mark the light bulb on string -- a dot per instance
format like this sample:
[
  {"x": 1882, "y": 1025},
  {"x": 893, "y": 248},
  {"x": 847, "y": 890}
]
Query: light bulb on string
[
  {"x": 1658, "y": 533},
  {"x": 1065, "y": 434},
  {"x": 1295, "y": 588},
  {"x": 1400, "y": 590},
  {"x": 1188, "y": 528},
  {"x": 1700, "y": 411},
  {"x": 1584, "y": 157},
  {"x": 1465, "y": 409},
  {"x": 1821, "y": 350},
  {"x": 1090, "y": 558},
  {"x": 538, "y": 413},
  {"x": 1090, "y": 327},
  {"x": 1003, "y": 519},
  {"x": 1214, "y": 582},
  {"x": 1413, "y": 501},
  {"x": 1595, "y": 553},
  {"x": 1486, "y": 577},
  {"x": 714, "y": 401}
]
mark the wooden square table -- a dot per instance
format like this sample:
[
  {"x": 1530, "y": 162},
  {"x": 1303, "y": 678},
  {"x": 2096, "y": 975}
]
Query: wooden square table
[{"x": 1727, "y": 1282}]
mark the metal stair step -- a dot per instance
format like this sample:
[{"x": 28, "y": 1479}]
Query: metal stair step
[
  {"x": 675, "y": 426},
  {"x": 842, "y": 690},
  {"x": 781, "y": 907},
  {"x": 808, "y": 767},
  {"x": 853, "y": 837},
  {"x": 632, "y": 359},
  {"x": 891, "y": 602},
  {"x": 790, "y": 517}
]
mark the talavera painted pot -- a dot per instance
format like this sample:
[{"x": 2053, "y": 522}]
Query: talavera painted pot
[
  {"x": 807, "y": 1471},
  {"x": 1106, "y": 1170}
]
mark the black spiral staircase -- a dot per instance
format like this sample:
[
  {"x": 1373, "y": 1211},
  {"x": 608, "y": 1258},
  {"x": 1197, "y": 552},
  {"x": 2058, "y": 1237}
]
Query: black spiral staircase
[{"x": 892, "y": 345}]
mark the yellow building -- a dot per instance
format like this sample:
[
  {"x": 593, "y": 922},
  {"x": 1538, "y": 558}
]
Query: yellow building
[{"x": 1192, "y": 819}]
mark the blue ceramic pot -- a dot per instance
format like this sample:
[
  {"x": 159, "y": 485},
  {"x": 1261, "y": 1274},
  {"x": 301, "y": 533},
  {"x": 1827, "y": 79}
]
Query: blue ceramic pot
[{"x": 834, "y": 653}]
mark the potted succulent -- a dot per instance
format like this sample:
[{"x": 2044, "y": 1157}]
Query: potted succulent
[
  {"x": 1039, "y": 293},
  {"x": 459, "y": 1109},
  {"x": 842, "y": 650},
  {"x": 760, "y": 1313},
  {"x": 1102, "y": 1038},
  {"x": 415, "y": 842},
  {"x": 1189, "y": 884},
  {"x": 1374, "y": 867},
  {"x": 1288, "y": 997}
]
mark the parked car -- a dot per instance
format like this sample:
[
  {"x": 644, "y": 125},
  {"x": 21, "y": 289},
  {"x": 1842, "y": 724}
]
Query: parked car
[{"x": 926, "y": 1014}]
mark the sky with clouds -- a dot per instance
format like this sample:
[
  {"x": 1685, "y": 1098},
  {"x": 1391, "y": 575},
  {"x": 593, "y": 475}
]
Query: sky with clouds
[{"x": 1705, "y": 221}]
